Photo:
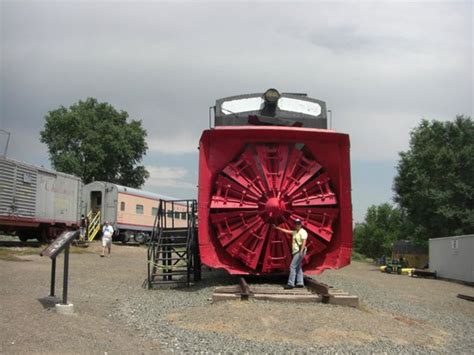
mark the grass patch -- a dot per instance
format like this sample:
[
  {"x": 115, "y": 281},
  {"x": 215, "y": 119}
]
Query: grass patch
[
  {"x": 15, "y": 253},
  {"x": 80, "y": 250},
  {"x": 361, "y": 257}
]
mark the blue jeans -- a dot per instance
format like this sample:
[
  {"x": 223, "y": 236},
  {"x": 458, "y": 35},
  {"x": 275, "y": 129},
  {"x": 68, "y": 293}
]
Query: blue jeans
[{"x": 296, "y": 272}]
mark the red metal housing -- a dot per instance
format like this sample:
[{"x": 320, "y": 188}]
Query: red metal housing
[{"x": 253, "y": 177}]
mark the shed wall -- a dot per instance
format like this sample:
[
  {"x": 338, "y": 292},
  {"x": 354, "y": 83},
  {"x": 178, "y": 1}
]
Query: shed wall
[{"x": 453, "y": 257}]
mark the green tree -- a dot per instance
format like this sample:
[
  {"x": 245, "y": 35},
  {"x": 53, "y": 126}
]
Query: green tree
[
  {"x": 435, "y": 181},
  {"x": 94, "y": 141},
  {"x": 382, "y": 226}
]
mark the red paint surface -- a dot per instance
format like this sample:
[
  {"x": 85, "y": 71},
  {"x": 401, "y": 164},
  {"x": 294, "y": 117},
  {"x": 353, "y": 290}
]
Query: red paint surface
[
  {"x": 32, "y": 222},
  {"x": 252, "y": 177}
]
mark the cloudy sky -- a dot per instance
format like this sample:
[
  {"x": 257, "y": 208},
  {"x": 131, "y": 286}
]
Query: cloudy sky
[{"x": 381, "y": 67}]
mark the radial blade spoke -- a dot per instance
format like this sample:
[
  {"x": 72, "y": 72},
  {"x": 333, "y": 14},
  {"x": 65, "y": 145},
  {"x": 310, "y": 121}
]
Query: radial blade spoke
[
  {"x": 317, "y": 220},
  {"x": 230, "y": 225},
  {"x": 229, "y": 194},
  {"x": 245, "y": 171},
  {"x": 316, "y": 192},
  {"x": 277, "y": 254},
  {"x": 314, "y": 246},
  {"x": 248, "y": 246},
  {"x": 299, "y": 170},
  {"x": 273, "y": 160}
]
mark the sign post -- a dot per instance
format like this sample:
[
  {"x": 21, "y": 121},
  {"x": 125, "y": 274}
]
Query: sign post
[
  {"x": 53, "y": 277},
  {"x": 61, "y": 243}
]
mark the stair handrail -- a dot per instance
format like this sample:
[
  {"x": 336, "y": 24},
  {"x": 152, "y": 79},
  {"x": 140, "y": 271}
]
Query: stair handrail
[
  {"x": 94, "y": 225},
  {"x": 154, "y": 242},
  {"x": 188, "y": 245}
]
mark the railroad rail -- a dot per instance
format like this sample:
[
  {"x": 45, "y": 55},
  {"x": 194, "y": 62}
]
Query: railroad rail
[{"x": 314, "y": 291}]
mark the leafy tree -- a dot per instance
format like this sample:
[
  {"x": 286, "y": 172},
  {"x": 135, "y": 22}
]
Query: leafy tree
[
  {"x": 382, "y": 226},
  {"x": 435, "y": 181},
  {"x": 94, "y": 141}
]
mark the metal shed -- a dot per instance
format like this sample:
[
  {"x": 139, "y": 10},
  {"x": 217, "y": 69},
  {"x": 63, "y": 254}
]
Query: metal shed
[{"x": 453, "y": 257}]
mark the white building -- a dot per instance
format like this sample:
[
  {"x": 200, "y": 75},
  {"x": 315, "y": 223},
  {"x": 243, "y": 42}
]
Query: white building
[{"x": 453, "y": 257}]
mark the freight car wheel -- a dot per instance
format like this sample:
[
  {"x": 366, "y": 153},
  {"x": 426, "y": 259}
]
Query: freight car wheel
[
  {"x": 125, "y": 238},
  {"x": 23, "y": 238},
  {"x": 140, "y": 238}
]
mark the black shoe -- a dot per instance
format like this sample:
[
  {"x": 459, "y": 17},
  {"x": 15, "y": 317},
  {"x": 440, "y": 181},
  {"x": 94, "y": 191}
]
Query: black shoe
[
  {"x": 288, "y": 287},
  {"x": 299, "y": 286}
]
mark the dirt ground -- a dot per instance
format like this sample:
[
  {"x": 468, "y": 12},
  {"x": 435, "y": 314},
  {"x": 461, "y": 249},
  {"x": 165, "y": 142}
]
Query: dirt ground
[
  {"x": 28, "y": 323},
  {"x": 100, "y": 286}
]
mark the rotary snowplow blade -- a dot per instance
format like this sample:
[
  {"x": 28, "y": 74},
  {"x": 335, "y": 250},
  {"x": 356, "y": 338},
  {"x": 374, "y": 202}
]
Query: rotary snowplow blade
[{"x": 253, "y": 177}]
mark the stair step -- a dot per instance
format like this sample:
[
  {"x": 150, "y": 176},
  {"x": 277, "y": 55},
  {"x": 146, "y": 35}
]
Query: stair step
[
  {"x": 174, "y": 233},
  {"x": 173, "y": 274},
  {"x": 168, "y": 259},
  {"x": 184, "y": 281},
  {"x": 173, "y": 244}
]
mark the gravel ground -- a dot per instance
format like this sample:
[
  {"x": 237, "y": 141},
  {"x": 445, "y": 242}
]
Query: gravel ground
[{"x": 114, "y": 314}]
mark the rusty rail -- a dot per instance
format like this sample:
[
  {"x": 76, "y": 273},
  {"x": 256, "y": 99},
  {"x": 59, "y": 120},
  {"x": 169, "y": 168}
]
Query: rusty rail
[
  {"x": 330, "y": 294},
  {"x": 466, "y": 297},
  {"x": 244, "y": 289},
  {"x": 320, "y": 288}
]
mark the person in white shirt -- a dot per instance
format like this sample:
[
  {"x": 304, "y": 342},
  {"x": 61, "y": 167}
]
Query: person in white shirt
[
  {"x": 107, "y": 233},
  {"x": 298, "y": 250}
]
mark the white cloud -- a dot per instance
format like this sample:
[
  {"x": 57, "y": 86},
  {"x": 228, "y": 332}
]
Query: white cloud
[
  {"x": 179, "y": 143},
  {"x": 380, "y": 66},
  {"x": 168, "y": 177}
]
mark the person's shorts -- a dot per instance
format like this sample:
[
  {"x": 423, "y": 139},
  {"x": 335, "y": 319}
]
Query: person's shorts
[{"x": 106, "y": 241}]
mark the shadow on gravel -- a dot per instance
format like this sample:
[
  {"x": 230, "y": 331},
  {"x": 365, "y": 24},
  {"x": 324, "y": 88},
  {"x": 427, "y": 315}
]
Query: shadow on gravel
[
  {"x": 215, "y": 278},
  {"x": 19, "y": 244},
  {"x": 128, "y": 244},
  {"x": 49, "y": 302}
]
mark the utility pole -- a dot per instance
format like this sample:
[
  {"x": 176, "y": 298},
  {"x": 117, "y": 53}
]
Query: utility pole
[{"x": 8, "y": 140}]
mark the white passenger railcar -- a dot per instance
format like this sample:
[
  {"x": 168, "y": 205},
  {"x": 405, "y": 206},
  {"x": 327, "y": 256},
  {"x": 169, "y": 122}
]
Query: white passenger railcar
[{"x": 131, "y": 211}]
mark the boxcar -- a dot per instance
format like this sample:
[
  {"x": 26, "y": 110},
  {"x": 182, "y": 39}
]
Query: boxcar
[{"x": 36, "y": 202}]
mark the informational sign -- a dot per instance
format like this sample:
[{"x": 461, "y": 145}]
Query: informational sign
[{"x": 59, "y": 244}]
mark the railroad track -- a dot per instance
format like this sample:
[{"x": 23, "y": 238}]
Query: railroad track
[{"x": 313, "y": 291}]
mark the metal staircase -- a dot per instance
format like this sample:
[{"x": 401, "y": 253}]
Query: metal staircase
[{"x": 173, "y": 253}]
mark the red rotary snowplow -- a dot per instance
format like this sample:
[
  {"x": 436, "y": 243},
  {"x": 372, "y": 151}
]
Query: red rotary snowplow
[{"x": 254, "y": 176}]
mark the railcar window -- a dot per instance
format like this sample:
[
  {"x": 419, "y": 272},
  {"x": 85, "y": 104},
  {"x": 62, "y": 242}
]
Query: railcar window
[
  {"x": 176, "y": 215},
  {"x": 284, "y": 104},
  {"x": 300, "y": 106},
  {"x": 154, "y": 211},
  {"x": 183, "y": 215},
  {"x": 122, "y": 206},
  {"x": 139, "y": 209},
  {"x": 169, "y": 214},
  {"x": 242, "y": 105}
]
